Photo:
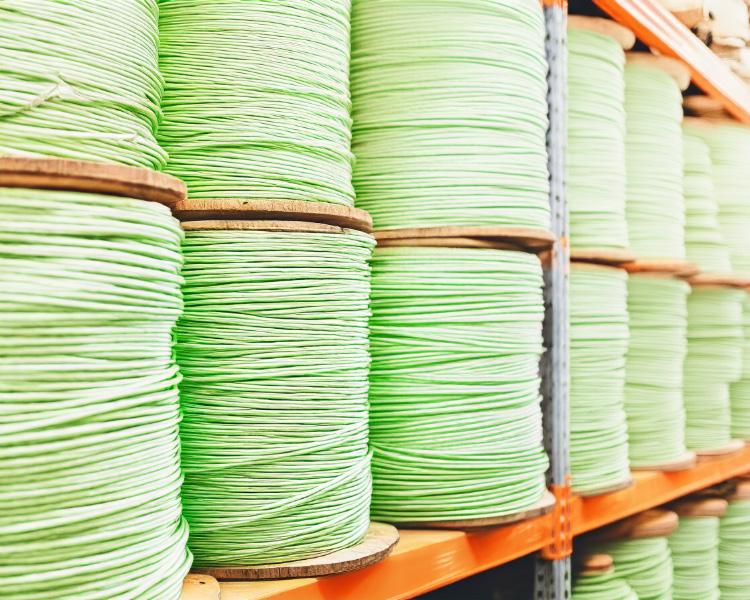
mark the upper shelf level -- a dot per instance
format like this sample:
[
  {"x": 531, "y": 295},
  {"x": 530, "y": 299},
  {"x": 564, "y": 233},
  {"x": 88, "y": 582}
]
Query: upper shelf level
[{"x": 660, "y": 30}]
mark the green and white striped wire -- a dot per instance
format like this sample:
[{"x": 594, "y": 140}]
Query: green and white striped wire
[
  {"x": 704, "y": 245},
  {"x": 730, "y": 147},
  {"x": 256, "y": 101},
  {"x": 655, "y": 206},
  {"x": 739, "y": 391},
  {"x": 657, "y": 310},
  {"x": 695, "y": 556},
  {"x": 274, "y": 352},
  {"x": 595, "y": 157},
  {"x": 79, "y": 79},
  {"x": 598, "y": 344},
  {"x": 602, "y": 586},
  {"x": 645, "y": 564},
  {"x": 89, "y": 409},
  {"x": 713, "y": 360},
  {"x": 734, "y": 551},
  {"x": 450, "y": 112},
  {"x": 455, "y": 419}
]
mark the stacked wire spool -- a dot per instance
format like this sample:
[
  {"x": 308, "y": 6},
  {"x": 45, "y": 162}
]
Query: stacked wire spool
[
  {"x": 273, "y": 343},
  {"x": 739, "y": 391},
  {"x": 450, "y": 116},
  {"x": 90, "y": 278},
  {"x": 595, "y": 578},
  {"x": 734, "y": 545},
  {"x": 695, "y": 548}
]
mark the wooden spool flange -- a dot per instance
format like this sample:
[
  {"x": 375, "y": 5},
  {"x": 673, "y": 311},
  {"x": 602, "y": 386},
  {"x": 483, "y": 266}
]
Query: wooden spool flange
[
  {"x": 730, "y": 448},
  {"x": 200, "y": 587},
  {"x": 680, "y": 268},
  {"x": 545, "y": 505},
  {"x": 723, "y": 280},
  {"x": 709, "y": 108},
  {"x": 681, "y": 464},
  {"x": 671, "y": 66},
  {"x": 514, "y": 238},
  {"x": 604, "y": 256},
  {"x": 234, "y": 209},
  {"x": 608, "y": 27},
  {"x": 377, "y": 544},
  {"x": 595, "y": 564},
  {"x": 91, "y": 177},
  {"x": 650, "y": 523},
  {"x": 742, "y": 492},
  {"x": 700, "y": 507},
  {"x": 617, "y": 487}
]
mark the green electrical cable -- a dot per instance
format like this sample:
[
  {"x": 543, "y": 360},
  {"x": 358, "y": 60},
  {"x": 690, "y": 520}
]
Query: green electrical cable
[
  {"x": 89, "y": 411},
  {"x": 256, "y": 101},
  {"x": 739, "y": 391},
  {"x": 655, "y": 207},
  {"x": 713, "y": 360},
  {"x": 657, "y": 309},
  {"x": 450, "y": 112},
  {"x": 455, "y": 421},
  {"x": 598, "y": 344},
  {"x": 734, "y": 551},
  {"x": 704, "y": 245},
  {"x": 273, "y": 349},
  {"x": 695, "y": 556},
  {"x": 730, "y": 147},
  {"x": 645, "y": 564},
  {"x": 602, "y": 586},
  {"x": 79, "y": 79},
  {"x": 595, "y": 157}
]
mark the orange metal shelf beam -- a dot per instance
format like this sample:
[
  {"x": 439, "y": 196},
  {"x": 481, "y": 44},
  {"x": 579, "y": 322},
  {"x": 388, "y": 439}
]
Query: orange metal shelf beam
[{"x": 660, "y": 30}]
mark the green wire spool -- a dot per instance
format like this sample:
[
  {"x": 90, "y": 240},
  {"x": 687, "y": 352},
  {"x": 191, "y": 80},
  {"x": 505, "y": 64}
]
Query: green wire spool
[
  {"x": 713, "y": 360},
  {"x": 655, "y": 207},
  {"x": 89, "y": 408},
  {"x": 739, "y": 391},
  {"x": 455, "y": 421},
  {"x": 695, "y": 556},
  {"x": 598, "y": 344},
  {"x": 450, "y": 112},
  {"x": 256, "y": 101},
  {"x": 274, "y": 353},
  {"x": 734, "y": 550},
  {"x": 657, "y": 309},
  {"x": 80, "y": 80},
  {"x": 605, "y": 585},
  {"x": 595, "y": 157},
  {"x": 703, "y": 242},
  {"x": 645, "y": 564}
]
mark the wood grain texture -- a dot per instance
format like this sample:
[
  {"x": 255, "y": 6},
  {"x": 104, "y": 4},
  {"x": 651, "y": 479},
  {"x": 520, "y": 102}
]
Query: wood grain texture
[
  {"x": 700, "y": 507},
  {"x": 281, "y": 226},
  {"x": 682, "y": 464},
  {"x": 604, "y": 256},
  {"x": 525, "y": 238},
  {"x": 378, "y": 543},
  {"x": 651, "y": 523},
  {"x": 200, "y": 587},
  {"x": 730, "y": 448},
  {"x": 237, "y": 209},
  {"x": 681, "y": 268},
  {"x": 676, "y": 69},
  {"x": 91, "y": 177},
  {"x": 448, "y": 242},
  {"x": 621, "y": 34}
]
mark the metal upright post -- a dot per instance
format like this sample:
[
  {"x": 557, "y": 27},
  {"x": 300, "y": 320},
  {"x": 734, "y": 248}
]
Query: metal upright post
[{"x": 553, "y": 567}]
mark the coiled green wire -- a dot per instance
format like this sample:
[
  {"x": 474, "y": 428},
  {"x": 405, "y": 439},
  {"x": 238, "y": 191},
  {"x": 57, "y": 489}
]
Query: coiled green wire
[
  {"x": 598, "y": 344},
  {"x": 645, "y": 564},
  {"x": 273, "y": 349},
  {"x": 89, "y": 291},
  {"x": 713, "y": 360},
  {"x": 79, "y": 79},
  {"x": 602, "y": 586},
  {"x": 655, "y": 207},
  {"x": 450, "y": 112},
  {"x": 739, "y": 391},
  {"x": 657, "y": 309},
  {"x": 256, "y": 101},
  {"x": 734, "y": 551},
  {"x": 595, "y": 157},
  {"x": 455, "y": 421},
  {"x": 704, "y": 245},
  {"x": 695, "y": 556}
]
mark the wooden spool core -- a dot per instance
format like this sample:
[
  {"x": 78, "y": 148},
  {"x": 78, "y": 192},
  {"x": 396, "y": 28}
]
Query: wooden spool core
[
  {"x": 235, "y": 209},
  {"x": 623, "y": 485},
  {"x": 714, "y": 279},
  {"x": 651, "y": 523},
  {"x": 608, "y": 27},
  {"x": 700, "y": 507},
  {"x": 378, "y": 543},
  {"x": 604, "y": 256},
  {"x": 523, "y": 238},
  {"x": 545, "y": 505},
  {"x": 90, "y": 177},
  {"x": 681, "y": 464},
  {"x": 681, "y": 268},
  {"x": 674, "y": 68},
  {"x": 200, "y": 587},
  {"x": 596, "y": 564},
  {"x": 742, "y": 492},
  {"x": 730, "y": 448}
]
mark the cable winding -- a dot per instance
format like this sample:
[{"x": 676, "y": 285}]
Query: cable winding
[
  {"x": 734, "y": 551},
  {"x": 602, "y": 586},
  {"x": 450, "y": 112},
  {"x": 657, "y": 307},
  {"x": 256, "y": 102},
  {"x": 89, "y": 412},
  {"x": 273, "y": 349},
  {"x": 598, "y": 344},
  {"x": 645, "y": 564},
  {"x": 595, "y": 157},
  {"x": 695, "y": 555},
  {"x": 455, "y": 421},
  {"x": 80, "y": 80},
  {"x": 739, "y": 391}
]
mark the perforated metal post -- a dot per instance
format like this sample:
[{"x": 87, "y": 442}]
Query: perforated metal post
[{"x": 553, "y": 576}]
